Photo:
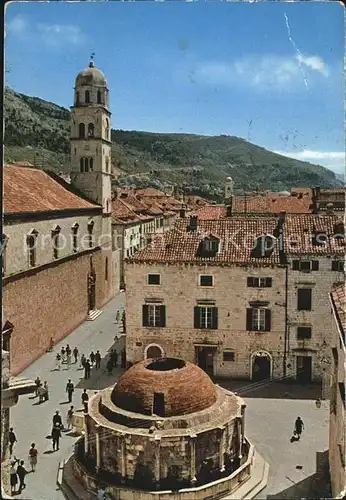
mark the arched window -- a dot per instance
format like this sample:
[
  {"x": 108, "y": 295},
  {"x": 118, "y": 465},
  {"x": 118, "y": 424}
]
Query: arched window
[
  {"x": 107, "y": 164},
  {"x": 87, "y": 96},
  {"x": 91, "y": 164},
  {"x": 99, "y": 97},
  {"x": 77, "y": 98},
  {"x": 81, "y": 161},
  {"x": 86, "y": 164},
  {"x": 81, "y": 130},
  {"x": 75, "y": 228},
  {"x": 31, "y": 241},
  {"x": 56, "y": 241},
  {"x": 107, "y": 128},
  {"x": 90, "y": 233},
  {"x": 91, "y": 130}
]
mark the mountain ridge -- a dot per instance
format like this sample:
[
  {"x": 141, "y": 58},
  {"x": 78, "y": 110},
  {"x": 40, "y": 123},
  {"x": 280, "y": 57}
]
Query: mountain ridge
[{"x": 38, "y": 131}]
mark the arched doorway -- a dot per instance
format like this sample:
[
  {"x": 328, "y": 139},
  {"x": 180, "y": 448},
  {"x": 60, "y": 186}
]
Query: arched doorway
[
  {"x": 153, "y": 351},
  {"x": 261, "y": 366}
]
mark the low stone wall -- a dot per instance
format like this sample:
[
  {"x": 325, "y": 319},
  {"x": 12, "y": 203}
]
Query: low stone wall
[{"x": 211, "y": 491}]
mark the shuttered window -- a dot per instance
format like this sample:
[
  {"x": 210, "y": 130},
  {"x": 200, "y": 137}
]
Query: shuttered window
[
  {"x": 154, "y": 279},
  {"x": 258, "y": 319},
  {"x": 206, "y": 317},
  {"x": 154, "y": 315},
  {"x": 305, "y": 265},
  {"x": 304, "y": 299},
  {"x": 338, "y": 265},
  {"x": 206, "y": 280},
  {"x": 259, "y": 282}
]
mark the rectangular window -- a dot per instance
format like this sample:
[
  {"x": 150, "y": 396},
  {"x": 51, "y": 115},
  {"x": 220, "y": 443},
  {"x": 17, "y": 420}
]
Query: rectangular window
[
  {"x": 304, "y": 299},
  {"x": 338, "y": 265},
  {"x": 258, "y": 319},
  {"x": 259, "y": 282},
  {"x": 305, "y": 265},
  {"x": 206, "y": 280},
  {"x": 206, "y": 317},
  {"x": 154, "y": 279},
  {"x": 303, "y": 332},
  {"x": 161, "y": 222},
  {"x": 228, "y": 355},
  {"x": 154, "y": 315}
]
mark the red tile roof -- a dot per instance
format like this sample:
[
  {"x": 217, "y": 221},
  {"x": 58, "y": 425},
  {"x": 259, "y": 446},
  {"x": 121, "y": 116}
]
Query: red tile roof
[
  {"x": 121, "y": 211},
  {"x": 339, "y": 300},
  {"x": 179, "y": 245},
  {"x": 153, "y": 192},
  {"x": 33, "y": 190},
  {"x": 301, "y": 228}
]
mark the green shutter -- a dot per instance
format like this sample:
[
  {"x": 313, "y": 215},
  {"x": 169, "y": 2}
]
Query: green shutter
[
  {"x": 163, "y": 316},
  {"x": 214, "y": 318},
  {"x": 249, "y": 318},
  {"x": 145, "y": 315},
  {"x": 196, "y": 319}
]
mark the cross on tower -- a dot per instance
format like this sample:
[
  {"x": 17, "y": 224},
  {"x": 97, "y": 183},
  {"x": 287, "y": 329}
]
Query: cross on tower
[{"x": 91, "y": 63}]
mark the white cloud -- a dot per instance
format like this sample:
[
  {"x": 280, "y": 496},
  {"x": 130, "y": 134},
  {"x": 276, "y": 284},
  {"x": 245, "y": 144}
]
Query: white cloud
[
  {"x": 334, "y": 160},
  {"x": 313, "y": 62},
  {"x": 262, "y": 72},
  {"x": 17, "y": 26},
  {"x": 55, "y": 34}
]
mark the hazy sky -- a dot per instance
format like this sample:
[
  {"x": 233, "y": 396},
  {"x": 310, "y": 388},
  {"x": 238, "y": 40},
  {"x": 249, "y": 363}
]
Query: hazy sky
[{"x": 271, "y": 73}]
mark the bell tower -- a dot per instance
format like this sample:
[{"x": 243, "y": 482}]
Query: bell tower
[{"x": 90, "y": 137}]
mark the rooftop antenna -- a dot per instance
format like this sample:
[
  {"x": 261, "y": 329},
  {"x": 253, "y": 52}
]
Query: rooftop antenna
[{"x": 91, "y": 64}]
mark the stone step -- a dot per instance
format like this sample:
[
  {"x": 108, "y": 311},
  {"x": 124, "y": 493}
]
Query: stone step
[{"x": 93, "y": 314}]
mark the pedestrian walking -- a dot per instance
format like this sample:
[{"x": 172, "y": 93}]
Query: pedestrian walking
[
  {"x": 33, "y": 457},
  {"x": 58, "y": 361},
  {"x": 12, "y": 439},
  {"x": 85, "y": 399},
  {"x": 56, "y": 435},
  {"x": 298, "y": 427},
  {"x": 69, "y": 390},
  {"x": 68, "y": 349},
  {"x": 68, "y": 360},
  {"x": 98, "y": 360},
  {"x": 82, "y": 361},
  {"x": 21, "y": 473},
  {"x": 57, "y": 419},
  {"x": 41, "y": 394},
  {"x": 38, "y": 383},
  {"x": 123, "y": 358},
  {"x": 87, "y": 369},
  {"x": 63, "y": 354},
  {"x": 51, "y": 345},
  {"x": 69, "y": 418},
  {"x": 46, "y": 391},
  {"x": 115, "y": 358},
  {"x": 92, "y": 358},
  {"x": 13, "y": 476},
  {"x": 75, "y": 354},
  {"x": 109, "y": 366},
  {"x": 117, "y": 316}
]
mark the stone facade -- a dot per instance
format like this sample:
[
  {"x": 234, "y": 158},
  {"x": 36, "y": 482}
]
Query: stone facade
[
  {"x": 50, "y": 301},
  {"x": 337, "y": 423}
]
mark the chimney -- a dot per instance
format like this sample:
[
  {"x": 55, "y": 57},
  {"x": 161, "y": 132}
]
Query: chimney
[
  {"x": 282, "y": 217},
  {"x": 330, "y": 209},
  {"x": 228, "y": 188},
  {"x": 192, "y": 227}
]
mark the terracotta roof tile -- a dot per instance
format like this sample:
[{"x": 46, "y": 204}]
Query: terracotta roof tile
[
  {"x": 150, "y": 192},
  {"x": 32, "y": 190},
  {"x": 123, "y": 212},
  {"x": 180, "y": 245},
  {"x": 339, "y": 299}
]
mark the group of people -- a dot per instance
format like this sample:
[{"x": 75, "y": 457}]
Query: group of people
[
  {"x": 113, "y": 360},
  {"x": 65, "y": 356},
  {"x": 41, "y": 391},
  {"x": 121, "y": 317},
  {"x": 18, "y": 470}
]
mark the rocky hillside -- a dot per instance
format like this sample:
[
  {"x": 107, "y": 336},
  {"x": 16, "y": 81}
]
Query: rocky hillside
[{"x": 37, "y": 131}]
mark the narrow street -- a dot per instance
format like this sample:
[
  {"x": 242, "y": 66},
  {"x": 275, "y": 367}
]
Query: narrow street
[{"x": 32, "y": 422}]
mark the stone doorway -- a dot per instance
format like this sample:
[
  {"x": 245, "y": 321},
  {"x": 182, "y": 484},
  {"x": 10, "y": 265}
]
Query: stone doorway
[
  {"x": 304, "y": 369},
  {"x": 153, "y": 351},
  {"x": 261, "y": 366},
  {"x": 205, "y": 358}
]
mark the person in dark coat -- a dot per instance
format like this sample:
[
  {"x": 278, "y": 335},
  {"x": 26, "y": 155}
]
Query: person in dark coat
[
  {"x": 21, "y": 473},
  {"x": 298, "y": 427},
  {"x": 75, "y": 354},
  {"x": 123, "y": 358},
  {"x": 82, "y": 361},
  {"x": 115, "y": 358},
  {"x": 92, "y": 357},
  {"x": 56, "y": 435},
  {"x": 69, "y": 390},
  {"x": 57, "y": 419},
  {"x": 87, "y": 369},
  {"x": 85, "y": 399},
  {"x": 38, "y": 383},
  {"x": 109, "y": 366},
  {"x": 12, "y": 439},
  {"x": 98, "y": 360}
]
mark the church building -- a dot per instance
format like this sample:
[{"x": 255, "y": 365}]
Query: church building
[{"x": 57, "y": 243}]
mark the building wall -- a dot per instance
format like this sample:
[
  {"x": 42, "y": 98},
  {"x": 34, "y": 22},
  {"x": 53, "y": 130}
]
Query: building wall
[
  {"x": 17, "y": 232},
  {"x": 320, "y": 318},
  {"x": 337, "y": 423},
  {"x": 180, "y": 290},
  {"x": 51, "y": 303}
]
